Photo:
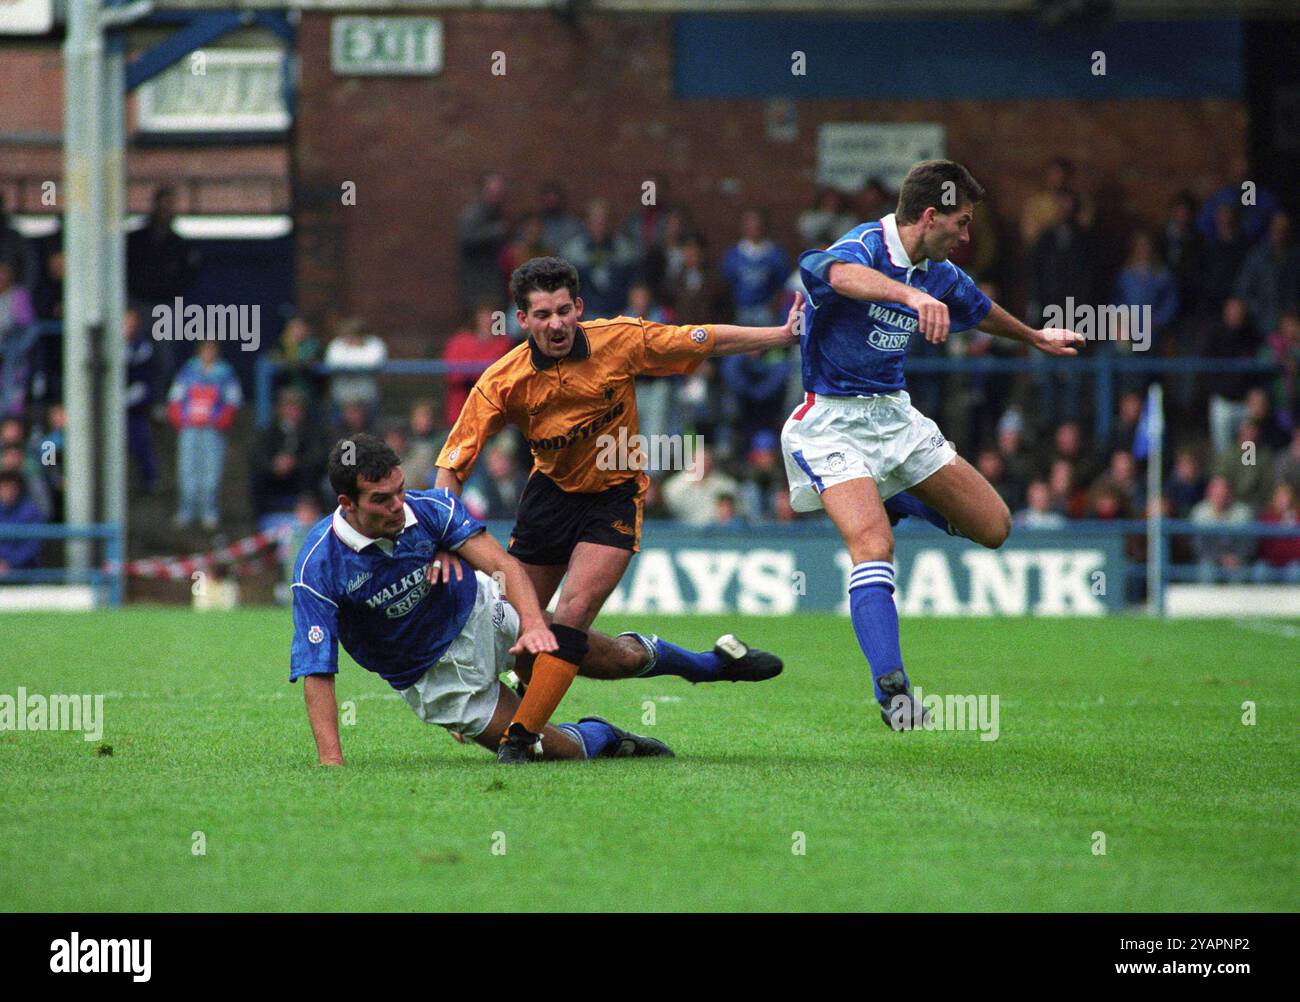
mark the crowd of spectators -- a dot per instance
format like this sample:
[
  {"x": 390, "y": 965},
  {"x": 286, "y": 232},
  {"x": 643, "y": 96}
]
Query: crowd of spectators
[{"x": 1220, "y": 276}]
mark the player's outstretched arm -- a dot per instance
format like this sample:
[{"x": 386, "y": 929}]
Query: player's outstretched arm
[
  {"x": 728, "y": 339},
  {"x": 1051, "y": 340},
  {"x": 857, "y": 281},
  {"x": 485, "y": 554},
  {"x": 323, "y": 713},
  {"x": 447, "y": 480}
]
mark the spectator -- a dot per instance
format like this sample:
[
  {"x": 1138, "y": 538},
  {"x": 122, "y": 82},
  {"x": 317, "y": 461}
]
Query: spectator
[
  {"x": 875, "y": 202},
  {"x": 354, "y": 359},
  {"x": 481, "y": 235},
  {"x": 1216, "y": 554},
  {"x": 202, "y": 406},
  {"x": 1067, "y": 443},
  {"x": 606, "y": 261},
  {"x": 307, "y": 511},
  {"x": 1280, "y": 553},
  {"x": 421, "y": 455},
  {"x": 755, "y": 268},
  {"x": 1145, "y": 282},
  {"x": 47, "y": 294},
  {"x": 298, "y": 352},
  {"x": 1224, "y": 252},
  {"x": 289, "y": 456},
  {"x": 755, "y": 382},
  {"x": 691, "y": 496},
  {"x": 477, "y": 344},
  {"x": 1231, "y": 336},
  {"x": 827, "y": 221},
  {"x": 655, "y": 395},
  {"x": 17, "y": 508},
  {"x": 1287, "y": 470},
  {"x": 647, "y": 227},
  {"x": 1283, "y": 350},
  {"x": 696, "y": 295},
  {"x": 663, "y": 260},
  {"x": 528, "y": 242},
  {"x": 1011, "y": 447},
  {"x": 1124, "y": 431},
  {"x": 1254, "y": 216},
  {"x": 1042, "y": 208},
  {"x": 725, "y": 515},
  {"x": 1184, "y": 251},
  {"x": 1107, "y": 503},
  {"x": 1248, "y": 468},
  {"x": 559, "y": 226},
  {"x": 1038, "y": 512},
  {"x": 354, "y": 418},
  {"x": 18, "y": 336},
  {"x": 495, "y": 486},
  {"x": 1186, "y": 485},
  {"x": 1259, "y": 410},
  {"x": 1121, "y": 477},
  {"x": 764, "y": 478},
  {"x": 989, "y": 463},
  {"x": 44, "y": 464},
  {"x": 1270, "y": 275},
  {"x": 1066, "y": 496},
  {"x": 160, "y": 266},
  {"x": 16, "y": 251},
  {"x": 139, "y": 397},
  {"x": 15, "y": 459}
]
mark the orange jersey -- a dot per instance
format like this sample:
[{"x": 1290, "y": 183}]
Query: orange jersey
[{"x": 565, "y": 406}]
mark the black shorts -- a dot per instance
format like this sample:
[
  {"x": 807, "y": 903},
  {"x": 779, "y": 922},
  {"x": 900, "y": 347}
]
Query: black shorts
[{"x": 551, "y": 521}]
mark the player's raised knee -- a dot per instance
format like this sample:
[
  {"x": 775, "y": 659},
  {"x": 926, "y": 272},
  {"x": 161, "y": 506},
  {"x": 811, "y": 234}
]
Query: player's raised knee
[{"x": 871, "y": 546}]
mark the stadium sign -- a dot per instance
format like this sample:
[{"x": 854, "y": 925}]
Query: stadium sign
[
  {"x": 26, "y": 17},
  {"x": 387, "y": 46},
  {"x": 785, "y": 570}
]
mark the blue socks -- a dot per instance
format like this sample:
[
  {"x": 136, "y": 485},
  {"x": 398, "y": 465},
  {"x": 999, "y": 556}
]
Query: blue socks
[
  {"x": 669, "y": 659},
  {"x": 875, "y": 618},
  {"x": 906, "y": 505},
  {"x": 594, "y": 736}
]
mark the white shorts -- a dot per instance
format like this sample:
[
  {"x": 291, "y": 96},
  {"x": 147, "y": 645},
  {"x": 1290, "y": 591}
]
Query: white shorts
[
  {"x": 460, "y": 691},
  {"x": 829, "y": 440}
]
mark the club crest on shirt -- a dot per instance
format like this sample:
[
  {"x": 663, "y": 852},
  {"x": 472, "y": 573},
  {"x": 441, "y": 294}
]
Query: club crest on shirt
[
  {"x": 358, "y": 581},
  {"x": 452, "y": 456},
  {"x": 315, "y": 635},
  {"x": 835, "y": 462},
  {"x": 699, "y": 335}
]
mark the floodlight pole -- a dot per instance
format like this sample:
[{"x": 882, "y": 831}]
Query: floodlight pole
[{"x": 94, "y": 288}]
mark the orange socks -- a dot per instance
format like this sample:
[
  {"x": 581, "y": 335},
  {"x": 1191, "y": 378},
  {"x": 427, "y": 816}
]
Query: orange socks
[{"x": 553, "y": 673}]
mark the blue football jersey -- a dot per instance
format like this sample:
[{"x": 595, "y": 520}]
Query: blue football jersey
[
  {"x": 371, "y": 595},
  {"x": 855, "y": 348}
]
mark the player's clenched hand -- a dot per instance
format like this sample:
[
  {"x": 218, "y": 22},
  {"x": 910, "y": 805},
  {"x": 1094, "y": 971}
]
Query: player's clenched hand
[
  {"x": 1057, "y": 341},
  {"x": 932, "y": 316},
  {"x": 443, "y": 567},
  {"x": 535, "y": 640},
  {"x": 794, "y": 319}
]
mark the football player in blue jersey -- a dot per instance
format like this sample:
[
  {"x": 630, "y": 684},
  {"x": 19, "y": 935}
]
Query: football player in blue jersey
[
  {"x": 407, "y": 582},
  {"x": 856, "y": 446}
]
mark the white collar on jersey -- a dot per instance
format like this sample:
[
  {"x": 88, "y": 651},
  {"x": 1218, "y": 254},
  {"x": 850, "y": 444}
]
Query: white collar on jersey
[
  {"x": 359, "y": 542},
  {"x": 894, "y": 247}
]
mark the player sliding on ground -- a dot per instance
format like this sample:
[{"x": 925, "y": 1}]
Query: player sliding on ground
[
  {"x": 566, "y": 388},
  {"x": 367, "y": 577},
  {"x": 856, "y": 444}
]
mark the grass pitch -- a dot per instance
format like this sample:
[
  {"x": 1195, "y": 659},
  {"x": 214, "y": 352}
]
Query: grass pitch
[{"x": 1126, "y": 727}]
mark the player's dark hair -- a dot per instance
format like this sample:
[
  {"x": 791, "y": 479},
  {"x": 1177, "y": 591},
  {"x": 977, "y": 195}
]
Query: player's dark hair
[
  {"x": 943, "y": 184},
  {"x": 359, "y": 457},
  {"x": 542, "y": 274}
]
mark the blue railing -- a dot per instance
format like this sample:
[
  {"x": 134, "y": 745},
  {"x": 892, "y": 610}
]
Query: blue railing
[
  {"x": 1104, "y": 366},
  {"x": 106, "y": 577}
]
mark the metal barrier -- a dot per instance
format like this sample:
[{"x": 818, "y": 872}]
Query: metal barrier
[
  {"x": 106, "y": 577},
  {"x": 1104, "y": 366}
]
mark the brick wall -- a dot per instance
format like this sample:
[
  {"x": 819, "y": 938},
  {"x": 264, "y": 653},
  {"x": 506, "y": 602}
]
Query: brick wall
[{"x": 593, "y": 107}]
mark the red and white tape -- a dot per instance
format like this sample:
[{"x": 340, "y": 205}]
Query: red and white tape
[{"x": 239, "y": 553}]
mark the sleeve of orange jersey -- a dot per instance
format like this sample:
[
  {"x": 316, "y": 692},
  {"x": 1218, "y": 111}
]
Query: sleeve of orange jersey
[
  {"x": 671, "y": 350},
  {"x": 479, "y": 420}
]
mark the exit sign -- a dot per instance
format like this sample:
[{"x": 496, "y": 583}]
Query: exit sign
[{"x": 386, "y": 45}]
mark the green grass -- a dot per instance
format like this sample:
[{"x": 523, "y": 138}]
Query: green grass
[{"x": 1124, "y": 726}]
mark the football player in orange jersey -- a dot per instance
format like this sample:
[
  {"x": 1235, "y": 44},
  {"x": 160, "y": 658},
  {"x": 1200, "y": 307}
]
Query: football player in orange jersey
[{"x": 567, "y": 387}]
